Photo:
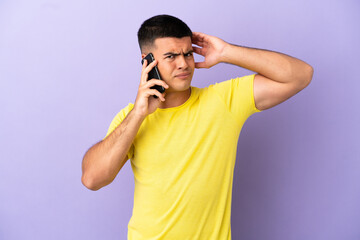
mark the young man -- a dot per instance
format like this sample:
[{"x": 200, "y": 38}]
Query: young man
[{"x": 182, "y": 144}]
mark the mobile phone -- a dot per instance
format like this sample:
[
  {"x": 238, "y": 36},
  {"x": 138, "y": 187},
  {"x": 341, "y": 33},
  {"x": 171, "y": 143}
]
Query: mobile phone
[{"x": 154, "y": 73}]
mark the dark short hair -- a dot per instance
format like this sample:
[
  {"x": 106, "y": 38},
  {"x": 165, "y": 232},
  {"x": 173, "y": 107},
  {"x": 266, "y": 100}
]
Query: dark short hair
[{"x": 161, "y": 26}]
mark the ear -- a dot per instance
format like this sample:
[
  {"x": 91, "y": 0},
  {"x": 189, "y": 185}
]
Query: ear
[{"x": 143, "y": 55}]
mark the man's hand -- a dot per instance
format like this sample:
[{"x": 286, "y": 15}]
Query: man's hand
[
  {"x": 212, "y": 48},
  {"x": 145, "y": 104},
  {"x": 103, "y": 161}
]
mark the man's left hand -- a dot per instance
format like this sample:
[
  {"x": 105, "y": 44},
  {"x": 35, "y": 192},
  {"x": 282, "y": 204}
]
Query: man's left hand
[{"x": 212, "y": 48}]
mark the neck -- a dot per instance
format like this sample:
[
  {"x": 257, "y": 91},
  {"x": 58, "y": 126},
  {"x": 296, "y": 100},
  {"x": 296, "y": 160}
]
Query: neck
[{"x": 175, "y": 99}]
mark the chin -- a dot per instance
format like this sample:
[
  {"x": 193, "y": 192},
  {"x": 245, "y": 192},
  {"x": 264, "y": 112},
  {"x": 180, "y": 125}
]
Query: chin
[{"x": 180, "y": 87}]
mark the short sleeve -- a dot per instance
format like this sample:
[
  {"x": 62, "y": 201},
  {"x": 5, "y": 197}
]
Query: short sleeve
[
  {"x": 238, "y": 95},
  {"x": 116, "y": 122}
]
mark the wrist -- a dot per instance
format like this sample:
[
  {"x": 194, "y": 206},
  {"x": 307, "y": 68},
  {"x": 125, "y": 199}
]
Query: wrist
[
  {"x": 227, "y": 54},
  {"x": 138, "y": 114}
]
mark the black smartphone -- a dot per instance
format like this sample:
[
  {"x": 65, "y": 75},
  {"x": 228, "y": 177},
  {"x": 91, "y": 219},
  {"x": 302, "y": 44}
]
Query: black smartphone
[{"x": 154, "y": 73}]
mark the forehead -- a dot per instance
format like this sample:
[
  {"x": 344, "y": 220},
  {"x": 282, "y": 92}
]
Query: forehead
[{"x": 172, "y": 44}]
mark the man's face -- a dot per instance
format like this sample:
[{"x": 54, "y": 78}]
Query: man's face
[{"x": 175, "y": 61}]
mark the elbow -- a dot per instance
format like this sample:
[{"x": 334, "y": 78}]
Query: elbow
[
  {"x": 308, "y": 74},
  {"x": 90, "y": 183},
  {"x": 95, "y": 182},
  {"x": 306, "y": 77}
]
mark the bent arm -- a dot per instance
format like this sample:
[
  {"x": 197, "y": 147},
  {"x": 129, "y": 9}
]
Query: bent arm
[
  {"x": 103, "y": 161},
  {"x": 277, "y": 66},
  {"x": 279, "y": 76}
]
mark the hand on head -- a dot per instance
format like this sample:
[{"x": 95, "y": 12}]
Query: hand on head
[{"x": 210, "y": 47}]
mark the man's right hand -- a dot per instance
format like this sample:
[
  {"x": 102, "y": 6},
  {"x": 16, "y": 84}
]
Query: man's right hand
[{"x": 145, "y": 103}]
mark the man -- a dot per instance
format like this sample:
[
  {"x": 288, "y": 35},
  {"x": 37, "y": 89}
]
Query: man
[{"x": 182, "y": 144}]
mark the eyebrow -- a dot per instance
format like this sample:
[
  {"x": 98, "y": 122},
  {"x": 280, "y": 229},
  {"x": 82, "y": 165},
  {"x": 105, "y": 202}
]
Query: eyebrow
[{"x": 177, "y": 54}]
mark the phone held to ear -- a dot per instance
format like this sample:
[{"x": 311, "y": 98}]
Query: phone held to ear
[{"x": 154, "y": 73}]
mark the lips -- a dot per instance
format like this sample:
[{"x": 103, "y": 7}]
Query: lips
[{"x": 183, "y": 75}]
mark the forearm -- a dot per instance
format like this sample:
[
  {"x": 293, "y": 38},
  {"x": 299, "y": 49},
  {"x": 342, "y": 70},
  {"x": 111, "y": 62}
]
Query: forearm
[
  {"x": 273, "y": 65},
  {"x": 103, "y": 161}
]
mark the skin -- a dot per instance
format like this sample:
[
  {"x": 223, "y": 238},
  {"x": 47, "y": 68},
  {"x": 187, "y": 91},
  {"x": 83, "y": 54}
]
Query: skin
[
  {"x": 278, "y": 78},
  {"x": 175, "y": 61}
]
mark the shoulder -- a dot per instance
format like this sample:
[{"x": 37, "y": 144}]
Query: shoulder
[
  {"x": 125, "y": 111},
  {"x": 234, "y": 82},
  {"x": 234, "y": 86},
  {"x": 119, "y": 117}
]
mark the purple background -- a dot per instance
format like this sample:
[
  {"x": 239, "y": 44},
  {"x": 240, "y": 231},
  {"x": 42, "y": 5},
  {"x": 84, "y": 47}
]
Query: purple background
[{"x": 67, "y": 67}]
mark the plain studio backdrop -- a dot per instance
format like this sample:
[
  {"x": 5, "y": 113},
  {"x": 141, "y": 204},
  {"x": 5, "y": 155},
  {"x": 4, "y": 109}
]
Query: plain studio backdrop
[{"x": 67, "y": 68}]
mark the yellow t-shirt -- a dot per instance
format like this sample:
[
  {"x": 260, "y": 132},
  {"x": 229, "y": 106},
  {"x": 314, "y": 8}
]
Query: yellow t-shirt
[{"x": 183, "y": 162}]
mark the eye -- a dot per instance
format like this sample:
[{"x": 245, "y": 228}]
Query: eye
[
  {"x": 170, "y": 57},
  {"x": 188, "y": 54}
]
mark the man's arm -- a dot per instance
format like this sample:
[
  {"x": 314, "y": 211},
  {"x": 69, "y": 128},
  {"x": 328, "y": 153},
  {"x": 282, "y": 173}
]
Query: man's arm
[
  {"x": 279, "y": 76},
  {"x": 103, "y": 161}
]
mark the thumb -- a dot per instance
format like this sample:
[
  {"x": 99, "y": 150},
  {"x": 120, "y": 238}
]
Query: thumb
[{"x": 200, "y": 65}]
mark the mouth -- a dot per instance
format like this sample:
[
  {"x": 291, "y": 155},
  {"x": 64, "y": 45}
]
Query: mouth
[{"x": 183, "y": 75}]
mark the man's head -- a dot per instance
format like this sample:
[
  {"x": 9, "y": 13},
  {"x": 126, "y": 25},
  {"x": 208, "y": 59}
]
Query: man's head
[
  {"x": 161, "y": 26},
  {"x": 169, "y": 40}
]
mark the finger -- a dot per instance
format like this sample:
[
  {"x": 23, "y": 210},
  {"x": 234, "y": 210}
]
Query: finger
[
  {"x": 198, "y": 38},
  {"x": 146, "y": 70},
  {"x": 152, "y": 92},
  {"x": 202, "y": 36},
  {"x": 200, "y": 65},
  {"x": 144, "y": 63},
  {"x": 143, "y": 75},
  {"x": 198, "y": 42},
  {"x": 199, "y": 51},
  {"x": 153, "y": 82},
  {"x": 151, "y": 65}
]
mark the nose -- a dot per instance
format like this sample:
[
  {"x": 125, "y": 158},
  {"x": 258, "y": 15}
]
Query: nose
[{"x": 181, "y": 62}]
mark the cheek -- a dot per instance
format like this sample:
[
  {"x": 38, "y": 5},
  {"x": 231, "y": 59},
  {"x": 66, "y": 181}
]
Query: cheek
[
  {"x": 166, "y": 68},
  {"x": 165, "y": 71}
]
